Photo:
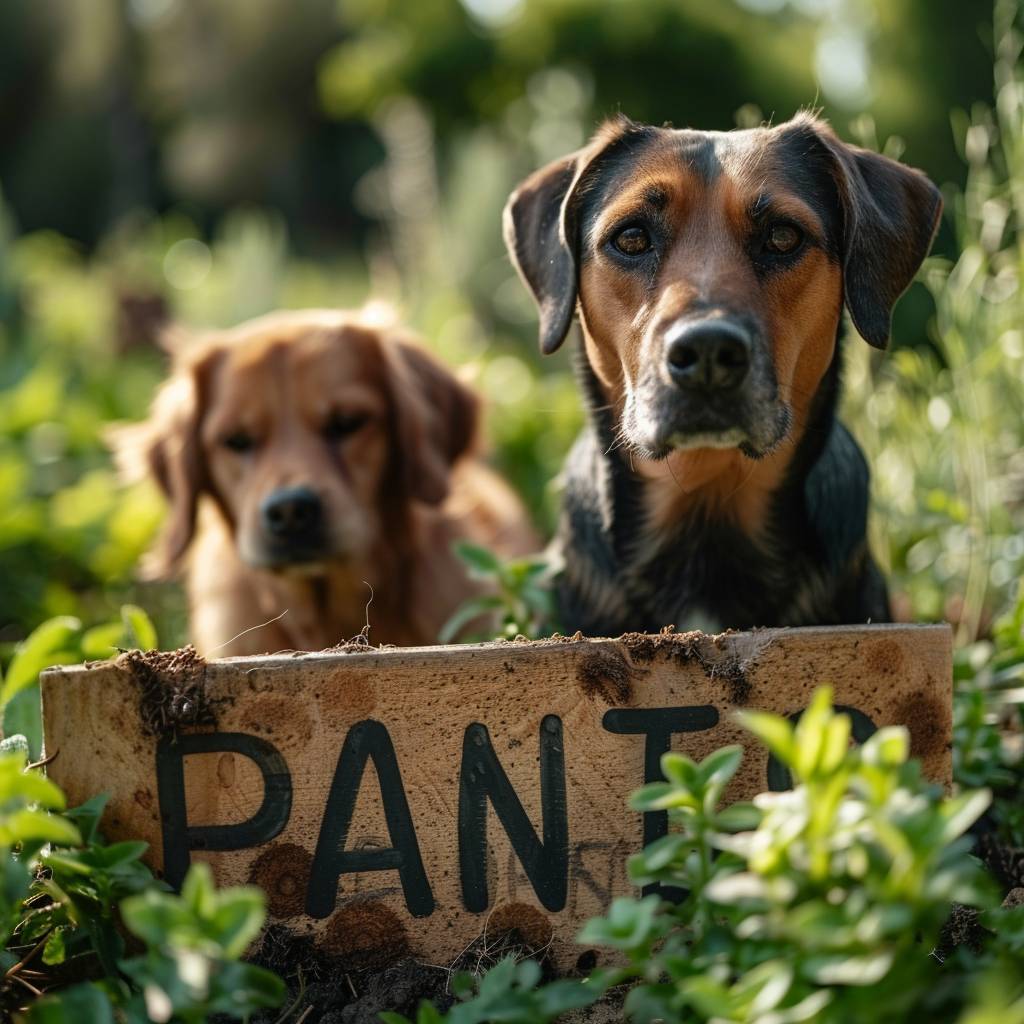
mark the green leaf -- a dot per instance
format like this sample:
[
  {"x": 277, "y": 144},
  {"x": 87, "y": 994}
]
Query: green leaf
[
  {"x": 738, "y": 817},
  {"x": 77, "y": 1005},
  {"x": 710, "y": 998},
  {"x": 836, "y": 743},
  {"x": 40, "y": 649},
  {"x": 560, "y": 997},
  {"x": 139, "y": 629},
  {"x": 482, "y": 563},
  {"x": 681, "y": 771},
  {"x": 889, "y": 746},
  {"x": 23, "y": 716},
  {"x": 628, "y": 924},
  {"x": 660, "y": 796},
  {"x": 37, "y": 826},
  {"x": 465, "y": 614},
  {"x": 87, "y": 816},
  {"x": 809, "y": 733},
  {"x": 238, "y": 918},
  {"x": 719, "y": 767},
  {"x": 962, "y": 811},
  {"x": 101, "y": 642},
  {"x": 54, "y": 950},
  {"x": 774, "y": 731},
  {"x": 868, "y": 969},
  {"x": 660, "y": 853},
  {"x": 117, "y": 854}
]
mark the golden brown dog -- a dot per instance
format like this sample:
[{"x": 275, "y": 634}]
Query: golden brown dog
[
  {"x": 311, "y": 459},
  {"x": 714, "y": 485}
]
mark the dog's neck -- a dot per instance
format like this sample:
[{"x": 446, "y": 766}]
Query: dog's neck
[{"x": 721, "y": 483}]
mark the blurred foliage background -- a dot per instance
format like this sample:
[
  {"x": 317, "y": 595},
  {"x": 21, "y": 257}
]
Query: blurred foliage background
[{"x": 208, "y": 160}]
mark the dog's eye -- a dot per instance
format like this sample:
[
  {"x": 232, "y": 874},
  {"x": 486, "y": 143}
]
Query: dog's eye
[
  {"x": 632, "y": 241},
  {"x": 340, "y": 425},
  {"x": 239, "y": 441},
  {"x": 783, "y": 239}
]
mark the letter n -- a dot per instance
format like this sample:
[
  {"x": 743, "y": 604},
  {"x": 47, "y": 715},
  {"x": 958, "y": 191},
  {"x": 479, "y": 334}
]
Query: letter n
[{"x": 483, "y": 779}]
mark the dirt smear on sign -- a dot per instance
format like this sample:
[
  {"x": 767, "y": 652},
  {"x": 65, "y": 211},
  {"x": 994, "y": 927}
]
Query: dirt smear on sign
[
  {"x": 603, "y": 672},
  {"x": 692, "y": 648},
  {"x": 172, "y": 689}
]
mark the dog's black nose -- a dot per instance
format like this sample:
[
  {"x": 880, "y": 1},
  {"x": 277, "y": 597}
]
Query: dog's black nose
[
  {"x": 711, "y": 355},
  {"x": 292, "y": 513}
]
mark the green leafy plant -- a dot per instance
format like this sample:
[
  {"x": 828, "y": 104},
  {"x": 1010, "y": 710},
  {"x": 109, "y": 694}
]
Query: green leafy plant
[
  {"x": 828, "y": 907},
  {"x": 191, "y": 968},
  {"x": 819, "y": 903},
  {"x": 521, "y": 602},
  {"x": 988, "y": 705},
  {"x": 67, "y": 897},
  {"x": 510, "y": 992},
  {"x": 62, "y": 641}
]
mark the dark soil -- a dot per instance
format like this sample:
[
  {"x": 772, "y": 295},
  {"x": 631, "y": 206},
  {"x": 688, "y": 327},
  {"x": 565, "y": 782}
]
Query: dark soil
[
  {"x": 1006, "y": 863},
  {"x": 603, "y": 672},
  {"x": 172, "y": 689},
  {"x": 340, "y": 990},
  {"x": 690, "y": 648}
]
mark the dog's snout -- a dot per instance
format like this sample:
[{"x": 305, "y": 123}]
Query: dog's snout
[
  {"x": 293, "y": 512},
  {"x": 711, "y": 355}
]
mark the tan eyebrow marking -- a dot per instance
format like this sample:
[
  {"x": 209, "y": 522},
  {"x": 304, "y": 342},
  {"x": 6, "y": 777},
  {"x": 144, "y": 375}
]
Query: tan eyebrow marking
[
  {"x": 648, "y": 195},
  {"x": 786, "y": 205}
]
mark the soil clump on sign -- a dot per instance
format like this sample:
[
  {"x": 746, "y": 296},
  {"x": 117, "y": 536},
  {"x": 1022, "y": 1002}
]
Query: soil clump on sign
[
  {"x": 172, "y": 689},
  {"x": 603, "y": 672},
  {"x": 691, "y": 648}
]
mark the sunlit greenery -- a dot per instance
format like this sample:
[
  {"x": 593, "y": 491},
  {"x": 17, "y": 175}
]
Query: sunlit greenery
[{"x": 821, "y": 903}]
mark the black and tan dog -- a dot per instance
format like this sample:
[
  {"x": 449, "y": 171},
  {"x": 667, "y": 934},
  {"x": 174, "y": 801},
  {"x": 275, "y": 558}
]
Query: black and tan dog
[{"x": 713, "y": 486}]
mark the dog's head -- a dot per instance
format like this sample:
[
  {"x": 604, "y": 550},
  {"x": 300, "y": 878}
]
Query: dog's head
[
  {"x": 312, "y": 431},
  {"x": 710, "y": 269}
]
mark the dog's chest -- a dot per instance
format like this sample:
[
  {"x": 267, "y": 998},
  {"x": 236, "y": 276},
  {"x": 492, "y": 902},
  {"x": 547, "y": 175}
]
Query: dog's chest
[
  {"x": 699, "y": 575},
  {"x": 709, "y": 575}
]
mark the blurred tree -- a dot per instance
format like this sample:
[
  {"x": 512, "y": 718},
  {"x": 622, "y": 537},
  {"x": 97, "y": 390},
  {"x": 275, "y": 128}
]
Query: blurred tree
[{"x": 108, "y": 105}]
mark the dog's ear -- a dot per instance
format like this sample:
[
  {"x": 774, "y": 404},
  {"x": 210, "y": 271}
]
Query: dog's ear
[
  {"x": 544, "y": 252},
  {"x": 166, "y": 448},
  {"x": 542, "y": 234},
  {"x": 435, "y": 418},
  {"x": 890, "y": 216}
]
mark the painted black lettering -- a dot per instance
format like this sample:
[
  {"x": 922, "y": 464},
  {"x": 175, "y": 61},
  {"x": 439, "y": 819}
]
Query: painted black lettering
[
  {"x": 659, "y": 725},
  {"x": 179, "y": 837},
  {"x": 365, "y": 741},
  {"x": 482, "y": 778}
]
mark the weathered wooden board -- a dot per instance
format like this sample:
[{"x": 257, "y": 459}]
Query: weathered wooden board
[{"x": 394, "y": 801}]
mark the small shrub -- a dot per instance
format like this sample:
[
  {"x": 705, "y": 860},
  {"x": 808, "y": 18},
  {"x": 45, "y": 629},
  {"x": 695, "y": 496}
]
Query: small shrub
[
  {"x": 987, "y": 721},
  {"x": 66, "y": 899},
  {"x": 820, "y": 903}
]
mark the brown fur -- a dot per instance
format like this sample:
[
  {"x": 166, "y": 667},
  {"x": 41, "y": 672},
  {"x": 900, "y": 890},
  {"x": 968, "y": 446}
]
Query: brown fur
[
  {"x": 615, "y": 314},
  {"x": 712, "y": 483},
  {"x": 397, "y": 492}
]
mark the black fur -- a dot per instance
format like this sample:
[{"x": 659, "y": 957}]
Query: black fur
[
  {"x": 707, "y": 573},
  {"x": 810, "y": 564}
]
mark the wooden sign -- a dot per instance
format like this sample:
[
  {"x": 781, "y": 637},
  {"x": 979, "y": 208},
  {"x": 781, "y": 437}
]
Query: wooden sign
[{"x": 405, "y": 801}]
